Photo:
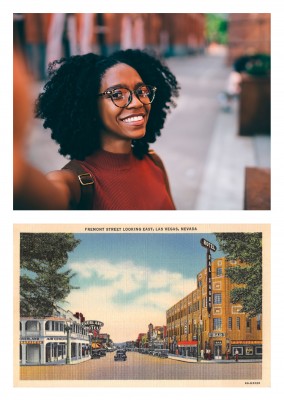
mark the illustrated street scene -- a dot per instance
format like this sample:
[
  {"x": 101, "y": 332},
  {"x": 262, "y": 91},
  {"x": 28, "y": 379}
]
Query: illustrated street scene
[{"x": 141, "y": 303}]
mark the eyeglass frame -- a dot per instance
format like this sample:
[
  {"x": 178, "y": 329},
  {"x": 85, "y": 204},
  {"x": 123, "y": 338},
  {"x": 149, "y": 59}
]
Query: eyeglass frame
[{"x": 109, "y": 92}]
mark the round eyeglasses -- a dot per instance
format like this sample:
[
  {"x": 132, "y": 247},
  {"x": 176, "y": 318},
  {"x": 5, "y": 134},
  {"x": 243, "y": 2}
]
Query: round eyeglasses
[{"x": 122, "y": 96}]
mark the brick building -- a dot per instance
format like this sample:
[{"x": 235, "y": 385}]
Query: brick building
[
  {"x": 167, "y": 34},
  {"x": 248, "y": 34},
  {"x": 190, "y": 329}
]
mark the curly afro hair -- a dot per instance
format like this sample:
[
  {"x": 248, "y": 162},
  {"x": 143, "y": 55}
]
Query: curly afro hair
[{"x": 69, "y": 103}]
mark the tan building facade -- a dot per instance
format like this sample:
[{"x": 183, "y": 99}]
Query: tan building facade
[{"x": 193, "y": 332}]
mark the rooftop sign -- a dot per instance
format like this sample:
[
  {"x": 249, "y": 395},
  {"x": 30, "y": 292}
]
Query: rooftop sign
[{"x": 208, "y": 245}]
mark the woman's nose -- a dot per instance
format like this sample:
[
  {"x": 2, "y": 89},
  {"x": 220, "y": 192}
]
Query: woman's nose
[{"x": 135, "y": 102}]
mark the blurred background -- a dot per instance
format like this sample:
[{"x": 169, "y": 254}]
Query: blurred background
[{"x": 216, "y": 143}]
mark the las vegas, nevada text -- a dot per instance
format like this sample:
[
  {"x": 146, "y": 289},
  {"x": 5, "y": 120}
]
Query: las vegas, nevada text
[{"x": 140, "y": 229}]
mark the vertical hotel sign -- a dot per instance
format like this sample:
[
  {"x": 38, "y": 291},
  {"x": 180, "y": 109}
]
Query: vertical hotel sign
[{"x": 209, "y": 246}]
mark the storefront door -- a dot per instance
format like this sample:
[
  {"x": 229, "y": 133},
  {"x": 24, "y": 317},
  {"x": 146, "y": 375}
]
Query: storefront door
[{"x": 218, "y": 350}]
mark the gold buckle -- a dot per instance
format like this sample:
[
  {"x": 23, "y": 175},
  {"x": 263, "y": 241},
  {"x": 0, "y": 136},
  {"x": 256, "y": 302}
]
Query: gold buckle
[{"x": 85, "y": 183}]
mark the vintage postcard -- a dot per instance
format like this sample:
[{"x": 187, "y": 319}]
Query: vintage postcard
[{"x": 142, "y": 305}]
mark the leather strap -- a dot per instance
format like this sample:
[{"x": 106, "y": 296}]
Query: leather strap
[{"x": 87, "y": 185}]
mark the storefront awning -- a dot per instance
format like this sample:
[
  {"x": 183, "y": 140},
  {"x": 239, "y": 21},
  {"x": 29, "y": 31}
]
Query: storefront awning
[{"x": 188, "y": 343}]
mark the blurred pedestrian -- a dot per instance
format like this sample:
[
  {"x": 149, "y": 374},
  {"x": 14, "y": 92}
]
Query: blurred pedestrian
[
  {"x": 237, "y": 355},
  {"x": 104, "y": 112}
]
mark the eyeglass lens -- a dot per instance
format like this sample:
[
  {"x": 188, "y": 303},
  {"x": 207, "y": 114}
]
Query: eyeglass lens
[{"x": 121, "y": 96}]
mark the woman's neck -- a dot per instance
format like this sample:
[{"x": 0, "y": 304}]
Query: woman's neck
[{"x": 116, "y": 146}]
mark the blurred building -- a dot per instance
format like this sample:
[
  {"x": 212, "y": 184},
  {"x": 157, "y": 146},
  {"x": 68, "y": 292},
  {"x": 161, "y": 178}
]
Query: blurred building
[
  {"x": 248, "y": 34},
  {"x": 227, "y": 329},
  {"x": 46, "y": 37}
]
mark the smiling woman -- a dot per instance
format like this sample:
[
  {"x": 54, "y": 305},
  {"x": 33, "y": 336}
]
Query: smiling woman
[{"x": 104, "y": 112}]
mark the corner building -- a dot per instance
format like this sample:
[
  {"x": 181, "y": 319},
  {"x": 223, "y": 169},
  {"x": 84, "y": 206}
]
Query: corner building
[{"x": 192, "y": 332}]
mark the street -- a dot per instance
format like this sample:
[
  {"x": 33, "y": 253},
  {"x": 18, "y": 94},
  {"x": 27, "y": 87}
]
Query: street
[{"x": 143, "y": 367}]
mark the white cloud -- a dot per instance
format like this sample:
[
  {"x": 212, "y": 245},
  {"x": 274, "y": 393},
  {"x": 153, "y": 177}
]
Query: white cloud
[{"x": 159, "y": 290}]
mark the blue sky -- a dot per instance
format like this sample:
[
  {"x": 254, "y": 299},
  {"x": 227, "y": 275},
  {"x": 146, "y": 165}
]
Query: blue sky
[{"x": 128, "y": 280}]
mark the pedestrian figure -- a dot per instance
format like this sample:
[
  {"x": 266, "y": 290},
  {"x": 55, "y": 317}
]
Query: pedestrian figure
[
  {"x": 237, "y": 355},
  {"x": 104, "y": 112}
]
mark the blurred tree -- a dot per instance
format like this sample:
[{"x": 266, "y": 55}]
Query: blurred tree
[{"x": 216, "y": 28}]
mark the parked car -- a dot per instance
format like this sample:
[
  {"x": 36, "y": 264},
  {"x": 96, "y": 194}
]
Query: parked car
[
  {"x": 103, "y": 352},
  {"x": 96, "y": 353},
  {"x": 120, "y": 355},
  {"x": 163, "y": 353}
]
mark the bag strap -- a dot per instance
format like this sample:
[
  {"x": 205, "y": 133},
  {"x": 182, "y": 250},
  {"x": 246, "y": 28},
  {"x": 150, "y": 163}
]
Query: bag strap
[
  {"x": 156, "y": 159},
  {"x": 87, "y": 185}
]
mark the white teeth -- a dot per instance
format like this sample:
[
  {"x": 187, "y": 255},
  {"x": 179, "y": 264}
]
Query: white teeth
[{"x": 133, "y": 119}]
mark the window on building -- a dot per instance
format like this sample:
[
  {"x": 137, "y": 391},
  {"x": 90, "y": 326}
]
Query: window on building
[
  {"x": 258, "y": 350},
  {"x": 230, "y": 323},
  {"x": 32, "y": 326},
  {"x": 258, "y": 322},
  {"x": 217, "y": 324},
  {"x": 219, "y": 271},
  {"x": 248, "y": 325},
  {"x": 217, "y": 298},
  {"x": 238, "y": 323},
  {"x": 240, "y": 350}
]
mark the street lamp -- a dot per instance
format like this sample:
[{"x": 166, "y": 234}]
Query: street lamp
[{"x": 68, "y": 328}]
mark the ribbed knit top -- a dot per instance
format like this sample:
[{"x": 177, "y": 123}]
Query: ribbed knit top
[{"x": 123, "y": 182}]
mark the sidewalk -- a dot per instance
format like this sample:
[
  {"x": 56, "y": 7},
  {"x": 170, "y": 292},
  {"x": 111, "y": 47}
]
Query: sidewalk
[
  {"x": 223, "y": 182},
  {"x": 203, "y": 153},
  {"x": 213, "y": 361}
]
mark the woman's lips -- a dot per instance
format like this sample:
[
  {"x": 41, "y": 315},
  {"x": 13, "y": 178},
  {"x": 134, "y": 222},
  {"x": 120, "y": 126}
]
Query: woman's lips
[{"x": 134, "y": 120}]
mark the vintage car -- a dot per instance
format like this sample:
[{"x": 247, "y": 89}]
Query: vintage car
[
  {"x": 103, "y": 352},
  {"x": 120, "y": 355},
  {"x": 96, "y": 353},
  {"x": 163, "y": 353}
]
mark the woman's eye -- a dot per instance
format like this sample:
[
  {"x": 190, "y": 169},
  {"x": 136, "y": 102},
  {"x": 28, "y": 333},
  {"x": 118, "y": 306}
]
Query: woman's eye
[
  {"x": 118, "y": 95},
  {"x": 143, "y": 92}
]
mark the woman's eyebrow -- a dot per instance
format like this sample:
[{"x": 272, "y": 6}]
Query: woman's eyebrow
[{"x": 124, "y": 85}]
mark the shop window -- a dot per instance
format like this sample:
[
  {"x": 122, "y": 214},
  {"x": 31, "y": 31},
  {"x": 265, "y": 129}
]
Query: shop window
[
  {"x": 217, "y": 324},
  {"x": 249, "y": 350},
  {"x": 240, "y": 350},
  {"x": 258, "y": 350}
]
